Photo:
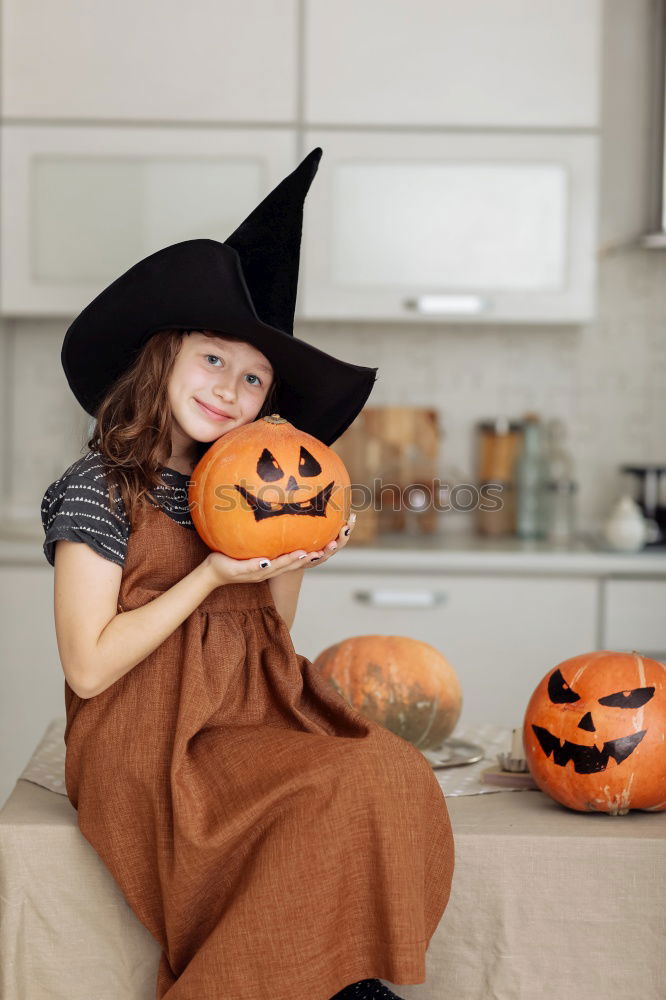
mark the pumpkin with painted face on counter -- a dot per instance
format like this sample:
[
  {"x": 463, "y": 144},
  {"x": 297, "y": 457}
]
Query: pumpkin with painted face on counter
[
  {"x": 267, "y": 488},
  {"x": 594, "y": 733}
]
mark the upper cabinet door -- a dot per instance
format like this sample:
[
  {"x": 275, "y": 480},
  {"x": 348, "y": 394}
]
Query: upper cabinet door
[
  {"x": 82, "y": 204},
  {"x": 158, "y": 60},
  {"x": 476, "y": 63},
  {"x": 467, "y": 226}
]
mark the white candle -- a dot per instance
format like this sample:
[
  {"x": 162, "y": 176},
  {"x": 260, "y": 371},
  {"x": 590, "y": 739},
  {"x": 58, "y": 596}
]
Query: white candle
[{"x": 517, "y": 748}]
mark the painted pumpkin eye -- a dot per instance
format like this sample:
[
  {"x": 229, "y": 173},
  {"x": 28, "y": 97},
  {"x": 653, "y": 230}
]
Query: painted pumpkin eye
[
  {"x": 268, "y": 468},
  {"x": 308, "y": 464},
  {"x": 558, "y": 689},
  {"x": 628, "y": 699}
]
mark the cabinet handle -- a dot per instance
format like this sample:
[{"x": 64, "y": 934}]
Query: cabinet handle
[
  {"x": 446, "y": 304},
  {"x": 400, "y": 598}
]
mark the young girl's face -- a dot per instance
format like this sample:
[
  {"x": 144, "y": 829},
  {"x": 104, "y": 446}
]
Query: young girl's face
[{"x": 212, "y": 376}]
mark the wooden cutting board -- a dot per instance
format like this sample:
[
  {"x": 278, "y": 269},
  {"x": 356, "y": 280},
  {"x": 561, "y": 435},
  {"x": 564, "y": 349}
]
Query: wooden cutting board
[{"x": 386, "y": 449}]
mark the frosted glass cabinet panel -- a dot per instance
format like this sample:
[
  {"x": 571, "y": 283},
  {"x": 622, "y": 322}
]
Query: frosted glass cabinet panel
[
  {"x": 480, "y": 227},
  {"x": 81, "y": 205},
  {"x": 517, "y": 213},
  {"x": 77, "y": 199}
]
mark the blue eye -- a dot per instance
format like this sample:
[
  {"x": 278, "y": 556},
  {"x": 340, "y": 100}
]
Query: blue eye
[{"x": 258, "y": 382}]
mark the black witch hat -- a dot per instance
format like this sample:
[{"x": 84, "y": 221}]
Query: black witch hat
[{"x": 245, "y": 287}]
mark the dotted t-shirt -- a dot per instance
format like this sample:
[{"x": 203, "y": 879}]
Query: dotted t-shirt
[{"x": 77, "y": 507}]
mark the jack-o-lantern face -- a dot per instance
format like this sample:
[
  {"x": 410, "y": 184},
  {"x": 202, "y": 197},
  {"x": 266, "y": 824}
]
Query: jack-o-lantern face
[
  {"x": 594, "y": 733},
  {"x": 587, "y": 759},
  {"x": 267, "y": 488},
  {"x": 269, "y": 471}
]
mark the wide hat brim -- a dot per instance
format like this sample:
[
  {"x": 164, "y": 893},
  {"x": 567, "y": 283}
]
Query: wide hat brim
[{"x": 199, "y": 285}]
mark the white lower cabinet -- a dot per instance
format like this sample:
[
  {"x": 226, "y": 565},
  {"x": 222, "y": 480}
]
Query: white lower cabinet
[
  {"x": 501, "y": 634},
  {"x": 634, "y": 616},
  {"x": 32, "y": 682}
]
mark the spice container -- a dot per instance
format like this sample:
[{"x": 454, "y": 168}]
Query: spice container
[
  {"x": 561, "y": 487},
  {"x": 531, "y": 474},
  {"x": 498, "y": 441}
]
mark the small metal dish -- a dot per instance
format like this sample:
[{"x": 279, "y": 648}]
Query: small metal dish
[{"x": 454, "y": 753}]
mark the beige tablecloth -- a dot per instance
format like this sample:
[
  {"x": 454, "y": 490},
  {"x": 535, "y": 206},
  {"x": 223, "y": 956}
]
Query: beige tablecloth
[
  {"x": 546, "y": 904},
  {"x": 46, "y": 766}
]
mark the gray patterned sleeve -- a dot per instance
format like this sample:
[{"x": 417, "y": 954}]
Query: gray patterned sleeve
[{"x": 77, "y": 507}]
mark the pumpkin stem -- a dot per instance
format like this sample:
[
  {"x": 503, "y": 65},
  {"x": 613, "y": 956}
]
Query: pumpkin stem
[{"x": 275, "y": 418}]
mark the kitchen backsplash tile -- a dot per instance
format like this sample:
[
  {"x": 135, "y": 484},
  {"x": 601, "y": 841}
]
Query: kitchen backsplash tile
[{"x": 606, "y": 380}]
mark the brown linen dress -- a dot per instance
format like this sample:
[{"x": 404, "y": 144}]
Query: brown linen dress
[{"x": 276, "y": 843}]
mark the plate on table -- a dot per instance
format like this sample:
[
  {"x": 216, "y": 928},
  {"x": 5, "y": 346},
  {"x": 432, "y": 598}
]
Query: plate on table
[{"x": 453, "y": 753}]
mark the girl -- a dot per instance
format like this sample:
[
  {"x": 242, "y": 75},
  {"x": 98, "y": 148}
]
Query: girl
[{"x": 275, "y": 842}]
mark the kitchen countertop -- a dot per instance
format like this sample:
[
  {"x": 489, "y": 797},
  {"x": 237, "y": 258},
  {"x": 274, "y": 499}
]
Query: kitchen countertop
[
  {"x": 443, "y": 554},
  {"x": 472, "y": 554}
]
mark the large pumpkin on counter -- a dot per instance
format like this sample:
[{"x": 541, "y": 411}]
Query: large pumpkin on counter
[
  {"x": 267, "y": 488},
  {"x": 404, "y": 684},
  {"x": 595, "y": 733}
]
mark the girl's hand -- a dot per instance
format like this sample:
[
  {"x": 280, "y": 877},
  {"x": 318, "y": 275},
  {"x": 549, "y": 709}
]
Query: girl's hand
[
  {"x": 317, "y": 558},
  {"x": 224, "y": 569}
]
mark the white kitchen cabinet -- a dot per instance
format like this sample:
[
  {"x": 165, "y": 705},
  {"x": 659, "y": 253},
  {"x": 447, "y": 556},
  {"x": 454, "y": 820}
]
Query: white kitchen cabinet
[
  {"x": 80, "y": 205},
  {"x": 486, "y": 63},
  {"x": 158, "y": 60},
  {"x": 471, "y": 226},
  {"x": 483, "y": 63},
  {"x": 32, "y": 682},
  {"x": 501, "y": 634},
  {"x": 634, "y": 616}
]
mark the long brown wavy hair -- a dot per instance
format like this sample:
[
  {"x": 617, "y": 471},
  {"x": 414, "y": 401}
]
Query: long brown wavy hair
[{"x": 132, "y": 430}]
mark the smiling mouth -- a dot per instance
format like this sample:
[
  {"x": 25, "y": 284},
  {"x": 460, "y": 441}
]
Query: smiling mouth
[
  {"x": 587, "y": 760},
  {"x": 315, "y": 506},
  {"x": 211, "y": 412}
]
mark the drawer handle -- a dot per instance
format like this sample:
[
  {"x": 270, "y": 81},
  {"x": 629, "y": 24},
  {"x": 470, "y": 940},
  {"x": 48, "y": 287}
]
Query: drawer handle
[{"x": 400, "y": 598}]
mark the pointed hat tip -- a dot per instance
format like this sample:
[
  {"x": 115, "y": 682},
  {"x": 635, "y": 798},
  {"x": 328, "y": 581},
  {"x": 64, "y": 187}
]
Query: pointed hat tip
[
  {"x": 268, "y": 245},
  {"x": 311, "y": 162}
]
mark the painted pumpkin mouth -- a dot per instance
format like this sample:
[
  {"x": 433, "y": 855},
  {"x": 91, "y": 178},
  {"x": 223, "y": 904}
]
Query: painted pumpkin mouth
[
  {"x": 587, "y": 760},
  {"x": 314, "y": 507}
]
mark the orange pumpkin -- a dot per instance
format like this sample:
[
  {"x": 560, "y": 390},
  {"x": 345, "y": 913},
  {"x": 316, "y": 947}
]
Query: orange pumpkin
[
  {"x": 404, "y": 684},
  {"x": 267, "y": 488},
  {"x": 594, "y": 733}
]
